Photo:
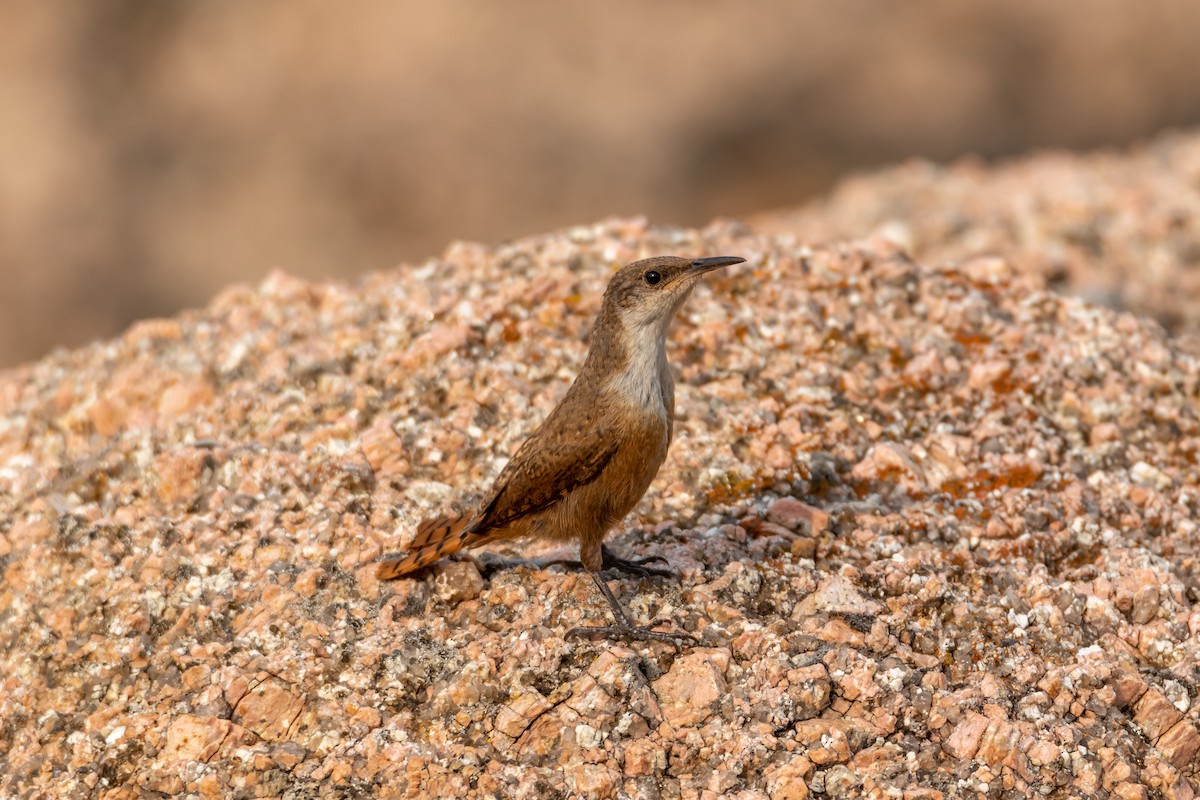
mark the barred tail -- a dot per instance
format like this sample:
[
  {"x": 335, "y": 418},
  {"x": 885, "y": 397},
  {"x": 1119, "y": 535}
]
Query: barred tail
[{"x": 436, "y": 538}]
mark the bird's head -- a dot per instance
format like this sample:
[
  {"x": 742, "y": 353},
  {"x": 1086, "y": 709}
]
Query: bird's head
[{"x": 647, "y": 293}]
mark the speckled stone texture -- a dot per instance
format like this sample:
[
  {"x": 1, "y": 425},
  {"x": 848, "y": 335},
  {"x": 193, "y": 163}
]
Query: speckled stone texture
[
  {"x": 1118, "y": 228},
  {"x": 934, "y": 526}
]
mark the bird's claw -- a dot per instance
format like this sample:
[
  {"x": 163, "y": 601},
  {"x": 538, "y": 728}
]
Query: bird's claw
[
  {"x": 636, "y": 566},
  {"x": 640, "y": 633},
  {"x": 630, "y": 566}
]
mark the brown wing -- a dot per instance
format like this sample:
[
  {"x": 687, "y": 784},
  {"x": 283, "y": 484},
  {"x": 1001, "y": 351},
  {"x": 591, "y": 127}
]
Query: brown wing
[{"x": 569, "y": 450}]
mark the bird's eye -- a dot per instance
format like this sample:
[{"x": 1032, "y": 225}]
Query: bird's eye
[{"x": 652, "y": 277}]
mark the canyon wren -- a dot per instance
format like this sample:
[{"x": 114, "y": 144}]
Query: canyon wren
[{"x": 589, "y": 463}]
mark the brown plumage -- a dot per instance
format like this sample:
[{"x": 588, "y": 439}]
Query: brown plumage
[
  {"x": 435, "y": 539},
  {"x": 589, "y": 463}
]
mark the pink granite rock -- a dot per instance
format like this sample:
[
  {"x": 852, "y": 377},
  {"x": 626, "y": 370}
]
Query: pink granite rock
[{"x": 989, "y": 593}]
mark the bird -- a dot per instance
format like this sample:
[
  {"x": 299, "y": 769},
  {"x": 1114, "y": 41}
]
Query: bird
[{"x": 593, "y": 458}]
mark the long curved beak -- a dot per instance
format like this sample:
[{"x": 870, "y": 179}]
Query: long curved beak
[{"x": 703, "y": 265}]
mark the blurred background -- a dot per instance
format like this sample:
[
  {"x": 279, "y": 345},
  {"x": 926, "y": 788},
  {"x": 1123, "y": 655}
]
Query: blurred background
[{"x": 152, "y": 153}]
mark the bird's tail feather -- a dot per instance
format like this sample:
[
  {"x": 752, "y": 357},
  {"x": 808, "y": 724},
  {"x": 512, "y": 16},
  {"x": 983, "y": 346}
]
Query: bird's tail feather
[{"x": 435, "y": 539}]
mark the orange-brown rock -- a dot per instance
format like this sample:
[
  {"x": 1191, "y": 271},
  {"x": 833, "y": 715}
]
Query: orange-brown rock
[{"x": 995, "y": 596}]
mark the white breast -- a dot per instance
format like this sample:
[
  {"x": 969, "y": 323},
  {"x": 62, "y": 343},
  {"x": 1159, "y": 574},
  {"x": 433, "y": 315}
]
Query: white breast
[{"x": 641, "y": 384}]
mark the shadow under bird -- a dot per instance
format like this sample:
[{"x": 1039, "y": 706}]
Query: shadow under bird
[{"x": 589, "y": 463}]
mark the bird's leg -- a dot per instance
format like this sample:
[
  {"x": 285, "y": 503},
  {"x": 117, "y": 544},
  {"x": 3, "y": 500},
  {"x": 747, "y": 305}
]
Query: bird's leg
[
  {"x": 634, "y": 566},
  {"x": 625, "y": 629}
]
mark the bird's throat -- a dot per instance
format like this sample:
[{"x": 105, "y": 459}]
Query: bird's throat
[{"x": 639, "y": 381}]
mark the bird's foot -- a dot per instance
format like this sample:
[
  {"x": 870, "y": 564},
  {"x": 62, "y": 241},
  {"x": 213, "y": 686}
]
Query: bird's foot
[
  {"x": 624, "y": 628},
  {"x": 631, "y": 566},
  {"x": 636, "y": 566},
  {"x": 625, "y": 632}
]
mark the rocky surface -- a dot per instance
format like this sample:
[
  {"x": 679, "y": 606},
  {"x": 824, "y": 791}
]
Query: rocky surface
[
  {"x": 935, "y": 529},
  {"x": 1119, "y": 228}
]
